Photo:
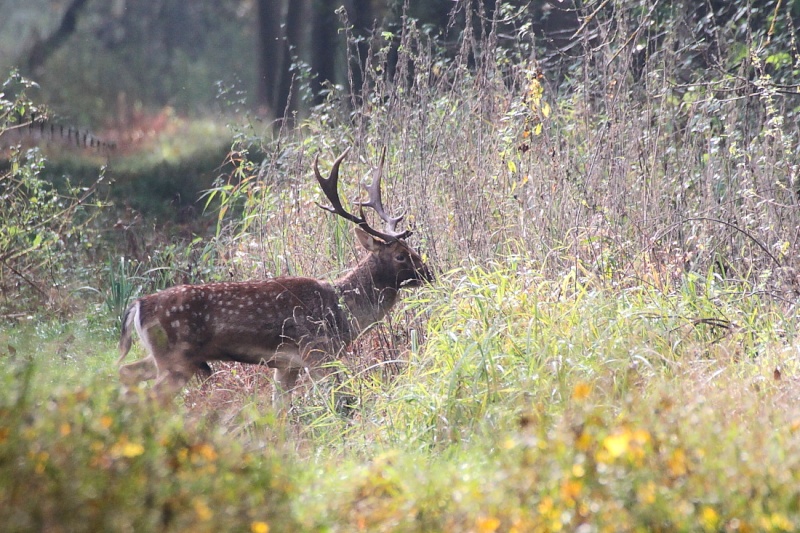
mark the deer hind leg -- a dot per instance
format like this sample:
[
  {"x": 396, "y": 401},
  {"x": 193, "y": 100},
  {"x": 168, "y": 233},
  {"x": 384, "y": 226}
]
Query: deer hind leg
[
  {"x": 136, "y": 372},
  {"x": 146, "y": 369},
  {"x": 167, "y": 362},
  {"x": 202, "y": 370},
  {"x": 175, "y": 369}
]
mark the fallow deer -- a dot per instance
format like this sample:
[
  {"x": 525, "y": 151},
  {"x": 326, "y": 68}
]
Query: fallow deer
[{"x": 287, "y": 323}]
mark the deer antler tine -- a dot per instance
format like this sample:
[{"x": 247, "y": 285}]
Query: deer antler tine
[
  {"x": 375, "y": 202},
  {"x": 330, "y": 186},
  {"x": 335, "y": 167}
]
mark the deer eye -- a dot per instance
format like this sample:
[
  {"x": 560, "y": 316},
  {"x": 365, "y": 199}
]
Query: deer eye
[{"x": 400, "y": 258}]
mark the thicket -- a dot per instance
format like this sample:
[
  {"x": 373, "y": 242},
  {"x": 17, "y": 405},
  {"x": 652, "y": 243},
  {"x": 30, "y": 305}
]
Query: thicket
[
  {"x": 45, "y": 225},
  {"x": 667, "y": 147},
  {"x": 611, "y": 343}
]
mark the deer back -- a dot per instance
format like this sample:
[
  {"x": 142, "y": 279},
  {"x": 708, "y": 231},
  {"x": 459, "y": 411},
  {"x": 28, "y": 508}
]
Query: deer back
[{"x": 249, "y": 322}]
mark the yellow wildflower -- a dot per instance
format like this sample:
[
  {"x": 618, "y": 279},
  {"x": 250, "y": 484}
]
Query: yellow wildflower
[
  {"x": 206, "y": 451},
  {"x": 106, "y": 421},
  {"x": 126, "y": 448},
  {"x": 646, "y": 493},
  {"x": 617, "y": 444},
  {"x": 677, "y": 463},
  {"x": 570, "y": 490},
  {"x": 709, "y": 518}
]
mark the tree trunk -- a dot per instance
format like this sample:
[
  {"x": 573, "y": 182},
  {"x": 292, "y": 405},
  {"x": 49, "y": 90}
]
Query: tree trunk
[
  {"x": 271, "y": 41},
  {"x": 42, "y": 50},
  {"x": 324, "y": 46}
]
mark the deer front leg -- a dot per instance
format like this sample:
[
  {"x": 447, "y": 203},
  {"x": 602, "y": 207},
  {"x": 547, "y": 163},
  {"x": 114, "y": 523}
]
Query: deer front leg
[
  {"x": 285, "y": 381},
  {"x": 318, "y": 357}
]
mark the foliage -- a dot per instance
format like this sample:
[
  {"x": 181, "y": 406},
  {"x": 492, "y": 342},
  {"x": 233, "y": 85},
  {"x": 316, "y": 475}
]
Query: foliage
[
  {"x": 125, "y": 60},
  {"x": 121, "y": 283},
  {"x": 40, "y": 222},
  {"x": 536, "y": 405},
  {"x": 644, "y": 168},
  {"x": 86, "y": 461}
]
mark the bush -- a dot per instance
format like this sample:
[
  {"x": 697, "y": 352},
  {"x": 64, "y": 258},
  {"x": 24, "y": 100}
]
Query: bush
[{"x": 41, "y": 224}]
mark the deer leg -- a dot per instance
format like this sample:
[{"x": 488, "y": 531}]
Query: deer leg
[
  {"x": 202, "y": 370},
  {"x": 317, "y": 355},
  {"x": 136, "y": 372},
  {"x": 175, "y": 369},
  {"x": 285, "y": 381},
  {"x": 169, "y": 384}
]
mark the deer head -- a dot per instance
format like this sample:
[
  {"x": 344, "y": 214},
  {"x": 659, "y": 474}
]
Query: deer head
[{"x": 291, "y": 324}]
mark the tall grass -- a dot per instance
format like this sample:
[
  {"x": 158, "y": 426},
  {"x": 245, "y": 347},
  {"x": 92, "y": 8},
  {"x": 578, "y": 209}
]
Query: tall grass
[{"x": 629, "y": 165}]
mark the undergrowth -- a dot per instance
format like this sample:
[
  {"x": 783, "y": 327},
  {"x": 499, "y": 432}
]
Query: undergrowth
[{"x": 535, "y": 405}]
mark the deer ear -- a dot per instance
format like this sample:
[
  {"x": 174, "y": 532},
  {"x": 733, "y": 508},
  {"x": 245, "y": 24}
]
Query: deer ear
[{"x": 369, "y": 242}]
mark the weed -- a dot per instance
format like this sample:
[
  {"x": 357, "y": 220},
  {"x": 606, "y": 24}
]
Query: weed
[{"x": 122, "y": 283}]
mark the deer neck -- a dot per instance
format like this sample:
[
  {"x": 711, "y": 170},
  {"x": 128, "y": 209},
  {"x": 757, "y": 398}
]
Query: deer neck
[{"x": 366, "y": 295}]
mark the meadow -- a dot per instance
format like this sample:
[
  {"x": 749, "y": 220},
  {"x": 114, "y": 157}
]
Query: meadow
[{"x": 610, "y": 343}]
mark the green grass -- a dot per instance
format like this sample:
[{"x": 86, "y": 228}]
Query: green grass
[{"x": 535, "y": 405}]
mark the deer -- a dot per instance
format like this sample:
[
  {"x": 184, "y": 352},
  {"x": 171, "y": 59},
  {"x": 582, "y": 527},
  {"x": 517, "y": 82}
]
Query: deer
[{"x": 291, "y": 324}]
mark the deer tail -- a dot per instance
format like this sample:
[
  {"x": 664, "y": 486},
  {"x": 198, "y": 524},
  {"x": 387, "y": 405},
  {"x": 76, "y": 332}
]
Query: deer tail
[{"x": 125, "y": 337}]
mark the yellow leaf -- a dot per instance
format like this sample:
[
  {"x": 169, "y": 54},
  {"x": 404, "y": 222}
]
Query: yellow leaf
[
  {"x": 571, "y": 489},
  {"x": 487, "y": 525},
  {"x": 106, "y": 421},
  {"x": 545, "y": 109},
  {"x": 641, "y": 436},
  {"x": 778, "y": 521},
  {"x": 512, "y": 167},
  {"x": 545, "y": 506},
  {"x": 583, "y": 442},
  {"x": 65, "y": 429},
  {"x": 537, "y": 130},
  {"x": 581, "y": 391},
  {"x": 125, "y": 448},
  {"x": 259, "y": 527},
  {"x": 677, "y": 463},
  {"x": 647, "y": 493},
  {"x": 202, "y": 511},
  {"x": 206, "y": 451},
  {"x": 132, "y": 449},
  {"x": 709, "y": 518}
]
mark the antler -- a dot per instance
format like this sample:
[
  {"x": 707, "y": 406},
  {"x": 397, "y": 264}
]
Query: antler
[{"x": 330, "y": 188}]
